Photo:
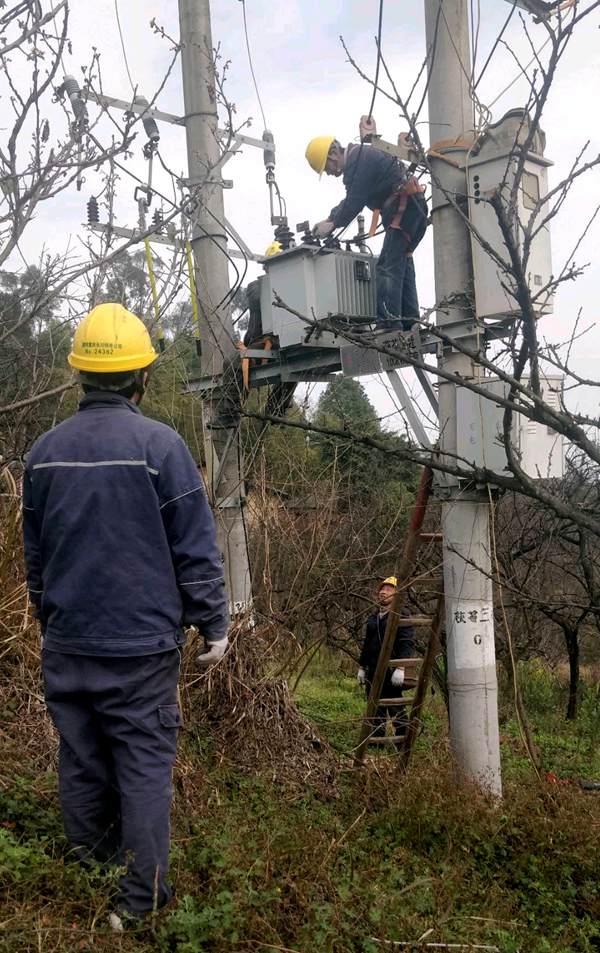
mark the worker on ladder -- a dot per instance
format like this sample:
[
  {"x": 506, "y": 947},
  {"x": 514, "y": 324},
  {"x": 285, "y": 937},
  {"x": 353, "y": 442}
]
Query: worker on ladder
[
  {"x": 121, "y": 553},
  {"x": 404, "y": 646},
  {"x": 380, "y": 182}
]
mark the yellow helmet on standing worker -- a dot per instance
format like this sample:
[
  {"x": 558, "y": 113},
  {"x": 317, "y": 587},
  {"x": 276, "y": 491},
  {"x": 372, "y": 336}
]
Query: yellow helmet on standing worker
[
  {"x": 390, "y": 581},
  {"x": 110, "y": 340},
  {"x": 317, "y": 151}
]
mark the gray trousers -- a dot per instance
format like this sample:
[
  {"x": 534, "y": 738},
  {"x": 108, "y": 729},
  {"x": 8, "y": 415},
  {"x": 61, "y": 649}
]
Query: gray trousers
[{"x": 117, "y": 719}]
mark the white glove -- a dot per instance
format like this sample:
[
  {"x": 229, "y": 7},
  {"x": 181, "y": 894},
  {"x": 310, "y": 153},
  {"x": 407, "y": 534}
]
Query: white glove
[
  {"x": 361, "y": 676},
  {"x": 323, "y": 229},
  {"x": 398, "y": 677},
  {"x": 213, "y": 654}
]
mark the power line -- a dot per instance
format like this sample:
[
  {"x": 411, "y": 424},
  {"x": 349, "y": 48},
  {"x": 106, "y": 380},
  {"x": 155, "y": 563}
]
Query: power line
[
  {"x": 251, "y": 64},
  {"x": 379, "y": 28},
  {"x": 123, "y": 45},
  {"x": 362, "y": 144},
  {"x": 493, "y": 49},
  {"x": 521, "y": 73},
  {"x": 60, "y": 46}
]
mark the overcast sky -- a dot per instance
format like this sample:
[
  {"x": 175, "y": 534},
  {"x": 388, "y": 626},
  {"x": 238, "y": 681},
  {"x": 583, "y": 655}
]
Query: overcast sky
[{"x": 308, "y": 88}]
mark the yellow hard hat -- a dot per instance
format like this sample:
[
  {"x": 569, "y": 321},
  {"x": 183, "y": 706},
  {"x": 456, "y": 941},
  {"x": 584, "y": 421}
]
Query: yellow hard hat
[
  {"x": 390, "y": 581},
  {"x": 273, "y": 249},
  {"x": 317, "y": 151},
  {"x": 111, "y": 339}
]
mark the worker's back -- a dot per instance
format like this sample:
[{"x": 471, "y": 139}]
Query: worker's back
[
  {"x": 370, "y": 177},
  {"x": 119, "y": 534}
]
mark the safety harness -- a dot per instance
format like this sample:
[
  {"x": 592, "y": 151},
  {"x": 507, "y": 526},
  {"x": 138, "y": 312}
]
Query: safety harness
[{"x": 401, "y": 194}]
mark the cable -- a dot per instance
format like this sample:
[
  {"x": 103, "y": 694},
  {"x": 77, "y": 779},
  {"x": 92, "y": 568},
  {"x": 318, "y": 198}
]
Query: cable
[
  {"x": 123, "y": 45},
  {"x": 339, "y": 233},
  {"x": 497, "y": 41},
  {"x": 521, "y": 73},
  {"x": 475, "y": 34},
  {"x": 251, "y": 65},
  {"x": 62, "y": 62},
  {"x": 379, "y": 28}
]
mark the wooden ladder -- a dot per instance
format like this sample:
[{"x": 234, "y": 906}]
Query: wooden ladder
[{"x": 417, "y": 670}]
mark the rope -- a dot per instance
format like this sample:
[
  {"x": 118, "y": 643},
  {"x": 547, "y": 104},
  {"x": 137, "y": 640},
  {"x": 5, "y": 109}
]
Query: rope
[
  {"x": 159, "y": 329},
  {"x": 458, "y": 143}
]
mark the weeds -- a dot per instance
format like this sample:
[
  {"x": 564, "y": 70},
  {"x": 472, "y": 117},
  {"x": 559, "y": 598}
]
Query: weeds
[{"x": 268, "y": 860}]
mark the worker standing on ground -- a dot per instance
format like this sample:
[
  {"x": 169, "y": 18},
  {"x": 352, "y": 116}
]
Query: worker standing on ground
[
  {"x": 404, "y": 647},
  {"x": 121, "y": 553},
  {"x": 380, "y": 182}
]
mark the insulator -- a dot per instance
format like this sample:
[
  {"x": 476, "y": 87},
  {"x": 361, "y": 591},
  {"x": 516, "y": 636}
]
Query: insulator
[
  {"x": 93, "y": 212},
  {"x": 71, "y": 88},
  {"x": 284, "y": 235},
  {"x": 149, "y": 123},
  {"x": 308, "y": 238},
  {"x": 157, "y": 220},
  {"x": 269, "y": 154}
]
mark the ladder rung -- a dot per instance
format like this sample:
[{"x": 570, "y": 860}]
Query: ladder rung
[
  {"x": 386, "y": 740},
  {"x": 410, "y": 663},
  {"x": 434, "y": 582},
  {"x": 395, "y": 702},
  {"x": 431, "y": 537},
  {"x": 415, "y": 620}
]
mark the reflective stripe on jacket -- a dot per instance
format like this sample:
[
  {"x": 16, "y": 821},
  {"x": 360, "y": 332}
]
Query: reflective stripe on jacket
[{"x": 120, "y": 542}]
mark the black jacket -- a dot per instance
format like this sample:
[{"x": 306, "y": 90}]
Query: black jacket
[
  {"x": 404, "y": 643},
  {"x": 120, "y": 542},
  {"x": 370, "y": 177}
]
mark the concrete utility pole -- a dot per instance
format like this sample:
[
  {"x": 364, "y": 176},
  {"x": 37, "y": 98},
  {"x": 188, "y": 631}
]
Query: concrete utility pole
[
  {"x": 472, "y": 683},
  {"x": 209, "y": 244}
]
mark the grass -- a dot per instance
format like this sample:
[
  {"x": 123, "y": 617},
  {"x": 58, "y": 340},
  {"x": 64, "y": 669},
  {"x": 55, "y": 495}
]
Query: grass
[{"x": 268, "y": 866}]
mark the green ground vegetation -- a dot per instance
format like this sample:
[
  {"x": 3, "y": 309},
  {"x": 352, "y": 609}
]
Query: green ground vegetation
[{"x": 337, "y": 866}]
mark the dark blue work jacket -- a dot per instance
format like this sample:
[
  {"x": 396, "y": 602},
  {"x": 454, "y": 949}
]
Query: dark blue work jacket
[
  {"x": 370, "y": 177},
  {"x": 120, "y": 542},
  {"x": 404, "y": 641}
]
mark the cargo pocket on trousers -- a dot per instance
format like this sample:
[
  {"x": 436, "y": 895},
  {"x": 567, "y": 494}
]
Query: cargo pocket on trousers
[{"x": 169, "y": 716}]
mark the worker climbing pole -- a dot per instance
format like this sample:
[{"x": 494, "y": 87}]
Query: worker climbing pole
[{"x": 379, "y": 181}]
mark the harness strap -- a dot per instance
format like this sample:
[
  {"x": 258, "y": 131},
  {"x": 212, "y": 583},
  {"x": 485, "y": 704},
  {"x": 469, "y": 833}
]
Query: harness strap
[
  {"x": 374, "y": 222},
  {"x": 411, "y": 186}
]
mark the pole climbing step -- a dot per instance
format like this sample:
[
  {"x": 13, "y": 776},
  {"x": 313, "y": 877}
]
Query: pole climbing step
[{"x": 417, "y": 670}]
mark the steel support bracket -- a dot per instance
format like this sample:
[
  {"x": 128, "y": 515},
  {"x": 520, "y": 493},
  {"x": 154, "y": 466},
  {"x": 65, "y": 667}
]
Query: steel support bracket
[
  {"x": 402, "y": 150},
  {"x": 230, "y": 503}
]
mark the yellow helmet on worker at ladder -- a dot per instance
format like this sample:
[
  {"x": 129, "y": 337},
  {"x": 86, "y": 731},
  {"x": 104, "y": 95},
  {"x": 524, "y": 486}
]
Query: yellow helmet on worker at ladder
[
  {"x": 390, "y": 581},
  {"x": 110, "y": 340},
  {"x": 317, "y": 151},
  {"x": 275, "y": 248}
]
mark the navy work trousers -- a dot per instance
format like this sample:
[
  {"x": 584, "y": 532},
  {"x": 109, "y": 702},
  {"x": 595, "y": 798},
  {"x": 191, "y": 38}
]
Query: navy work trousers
[
  {"x": 396, "y": 285},
  {"x": 117, "y": 719}
]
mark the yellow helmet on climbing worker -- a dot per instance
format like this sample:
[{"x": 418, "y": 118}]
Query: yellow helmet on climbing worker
[
  {"x": 317, "y": 151},
  {"x": 111, "y": 340}
]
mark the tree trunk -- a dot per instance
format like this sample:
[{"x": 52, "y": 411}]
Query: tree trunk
[{"x": 572, "y": 640}]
